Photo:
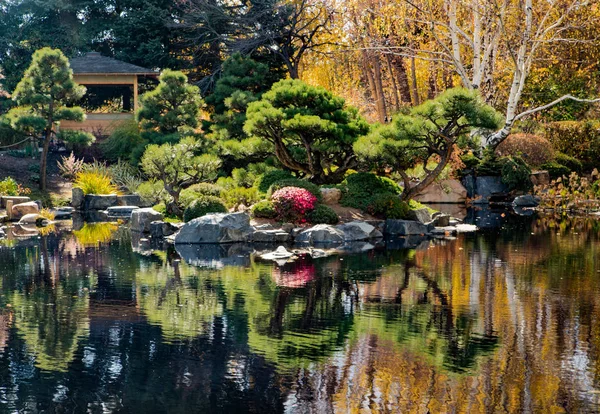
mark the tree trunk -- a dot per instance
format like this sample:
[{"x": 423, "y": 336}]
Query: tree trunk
[
  {"x": 394, "y": 84},
  {"x": 409, "y": 192},
  {"x": 380, "y": 97},
  {"x": 44, "y": 159},
  {"x": 414, "y": 89},
  {"x": 403, "y": 83}
]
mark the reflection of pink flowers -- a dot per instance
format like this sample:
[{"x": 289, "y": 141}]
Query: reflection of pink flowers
[
  {"x": 298, "y": 276},
  {"x": 292, "y": 204}
]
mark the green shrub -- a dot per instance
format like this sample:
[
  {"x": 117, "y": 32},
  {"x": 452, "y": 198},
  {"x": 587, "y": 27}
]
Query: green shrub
[
  {"x": 266, "y": 180},
  {"x": 240, "y": 196},
  {"x": 122, "y": 141},
  {"x": 387, "y": 205},
  {"x": 9, "y": 187},
  {"x": 202, "y": 206},
  {"x": 264, "y": 209},
  {"x": 76, "y": 141},
  {"x": 196, "y": 191},
  {"x": 470, "y": 160},
  {"x": 359, "y": 189},
  {"x": 556, "y": 170},
  {"x": 152, "y": 191},
  {"x": 490, "y": 164},
  {"x": 95, "y": 183},
  {"x": 571, "y": 163},
  {"x": 516, "y": 174},
  {"x": 323, "y": 214},
  {"x": 295, "y": 182}
]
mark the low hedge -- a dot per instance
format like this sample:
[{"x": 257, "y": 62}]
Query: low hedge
[{"x": 202, "y": 206}]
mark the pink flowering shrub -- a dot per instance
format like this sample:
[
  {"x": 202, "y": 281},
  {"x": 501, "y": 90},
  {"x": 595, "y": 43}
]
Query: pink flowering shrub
[{"x": 293, "y": 203}]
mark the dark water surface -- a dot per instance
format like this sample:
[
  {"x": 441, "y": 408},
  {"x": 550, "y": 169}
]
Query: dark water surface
[{"x": 505, "y": 320}]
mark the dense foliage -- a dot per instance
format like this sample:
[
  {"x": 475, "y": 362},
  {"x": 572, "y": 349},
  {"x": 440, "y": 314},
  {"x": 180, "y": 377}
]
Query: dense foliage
[
  {"x": 203, "y": 205},
  {"x": 292, "y": 204}
]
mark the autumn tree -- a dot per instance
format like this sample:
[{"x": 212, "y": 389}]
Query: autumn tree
[
  {"x": 43, "y": 96},
  {"x": 430, "y": 132},
  {"x": 311, "y": 130}
]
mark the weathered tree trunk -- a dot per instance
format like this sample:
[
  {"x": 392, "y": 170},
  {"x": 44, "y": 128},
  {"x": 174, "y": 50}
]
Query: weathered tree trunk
[
  {"x": 394, "y": 84},
  {"x": 380, "y": 96},
  {"x": 403, "y": 83},
  {"x": 432, "y": 89},
  {"x": 412, "y": 191},
  {"x": 414, "y": 87}
]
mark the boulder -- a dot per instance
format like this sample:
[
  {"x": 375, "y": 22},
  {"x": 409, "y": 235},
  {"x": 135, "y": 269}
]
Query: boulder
[
  {"x": 20, "y": 210},
  {"x": 270, "y": 236},
  {"x": 441, "y": 220},
  {"x": 449, "y": 191},
  {"x": 160, "y": 229},
  {"x": 331, "y": 195},
  {"x": 14, "y": 199},
  {"x": 100, "y": 202},
  {"x": 540, "y": 178},
  {"x": 142, "y": 218},
  {"x": 29, "y": 218},
  {"x": 486, "y": 187},
  {"x": 121, "y": 211},
  {"x": 63, "y": 213},
  {"x": 405, "y": 228},
  {"x": 77, "y": 198},
  {"x": 526, "y": 200},
  {"x": 216, "y": 228},
  {"x": 422, "y": 215},
  {"x": 359, "y": 230},
  {"x": 321, "y": 233},
  {"x": 130, "y": 200}
]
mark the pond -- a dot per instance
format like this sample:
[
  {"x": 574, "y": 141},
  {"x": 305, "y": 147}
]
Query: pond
[{"x": 506, "y": 319}]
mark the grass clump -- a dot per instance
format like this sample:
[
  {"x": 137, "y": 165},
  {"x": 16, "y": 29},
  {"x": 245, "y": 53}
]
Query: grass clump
[{"x": 95, "y": 182}]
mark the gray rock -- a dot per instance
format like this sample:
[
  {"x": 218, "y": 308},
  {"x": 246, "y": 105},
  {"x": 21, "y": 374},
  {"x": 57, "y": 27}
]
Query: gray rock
[
  {"x": 441, "y": 220},
  {"x": 160, "y": 229},
  {"x": 77, "y": 199},
  {"x": 449, "y": 191},
  {"x": 121, "y": 211},
  {"x": 216, "y": 228},
  {"x": 100, "y": 202},
  {"x": 20, "y": 210},
  {"x": 95, "y": 216},
  {"x": 405, "y": 228},
  {"x": 29, "y": 218},
  {"x": 142, "y": 218},
  {"x": 359, "y": 230},
  {"x": 215, "y": 256},
  {"x": 446, "y": 230},
  {"x": 130, "y": 200},
  {"x": 14, "y": 199},
  {"x": 270, "y": 236},
  {"x": 321, "y": 233},
  {"x": 422, "y": 215},
  {"x": 63, "y": 213},
  {"x": 526, "y": 200}
]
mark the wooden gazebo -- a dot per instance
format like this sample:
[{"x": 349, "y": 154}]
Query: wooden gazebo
[{"x": 100, "y": 74}]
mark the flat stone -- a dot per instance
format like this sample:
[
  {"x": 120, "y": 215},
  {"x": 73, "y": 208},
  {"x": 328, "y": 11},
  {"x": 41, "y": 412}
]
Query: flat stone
[
  {"x": 100, "y": 202},
  {"x": 466, "y": 228},
  {"x": 270, "y": 236},
  {"x": 321, "y": 233},
  {"x": 130, "y": 200},
  {"x": 63, "y": 213},
  {"x": 441, "y": 220},
  {"x": 216, "y": 228},
  {"x": 359, "y": 230},
  {"x": 14, "y": 199},
  {"x": 142, "y": 218},
  {"x": 405, "y": 228},
  {"x": 121, "y": 211},
  {"x": 20, "y": 210}
]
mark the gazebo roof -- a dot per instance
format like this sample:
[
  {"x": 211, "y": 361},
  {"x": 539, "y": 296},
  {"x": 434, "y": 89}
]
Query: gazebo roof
[{"x": 94, "y": 63}]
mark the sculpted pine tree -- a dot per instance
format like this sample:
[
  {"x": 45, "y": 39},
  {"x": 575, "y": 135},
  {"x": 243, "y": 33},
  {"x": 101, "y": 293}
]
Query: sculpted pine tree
[
  {"x": 430, "y": 131},
  {"x": 311, "y": 130},
  {"x": 43, "y": 95}
]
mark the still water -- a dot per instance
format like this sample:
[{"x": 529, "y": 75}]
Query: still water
[{"x": 505, "y": 320}]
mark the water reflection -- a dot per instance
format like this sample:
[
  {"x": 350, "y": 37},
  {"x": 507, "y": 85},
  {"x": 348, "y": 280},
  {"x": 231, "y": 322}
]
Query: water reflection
[{"x": 503, "y": 320}]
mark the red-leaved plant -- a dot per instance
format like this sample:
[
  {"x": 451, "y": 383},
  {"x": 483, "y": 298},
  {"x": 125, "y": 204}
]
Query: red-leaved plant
[{"x": 293, "y": 203}]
